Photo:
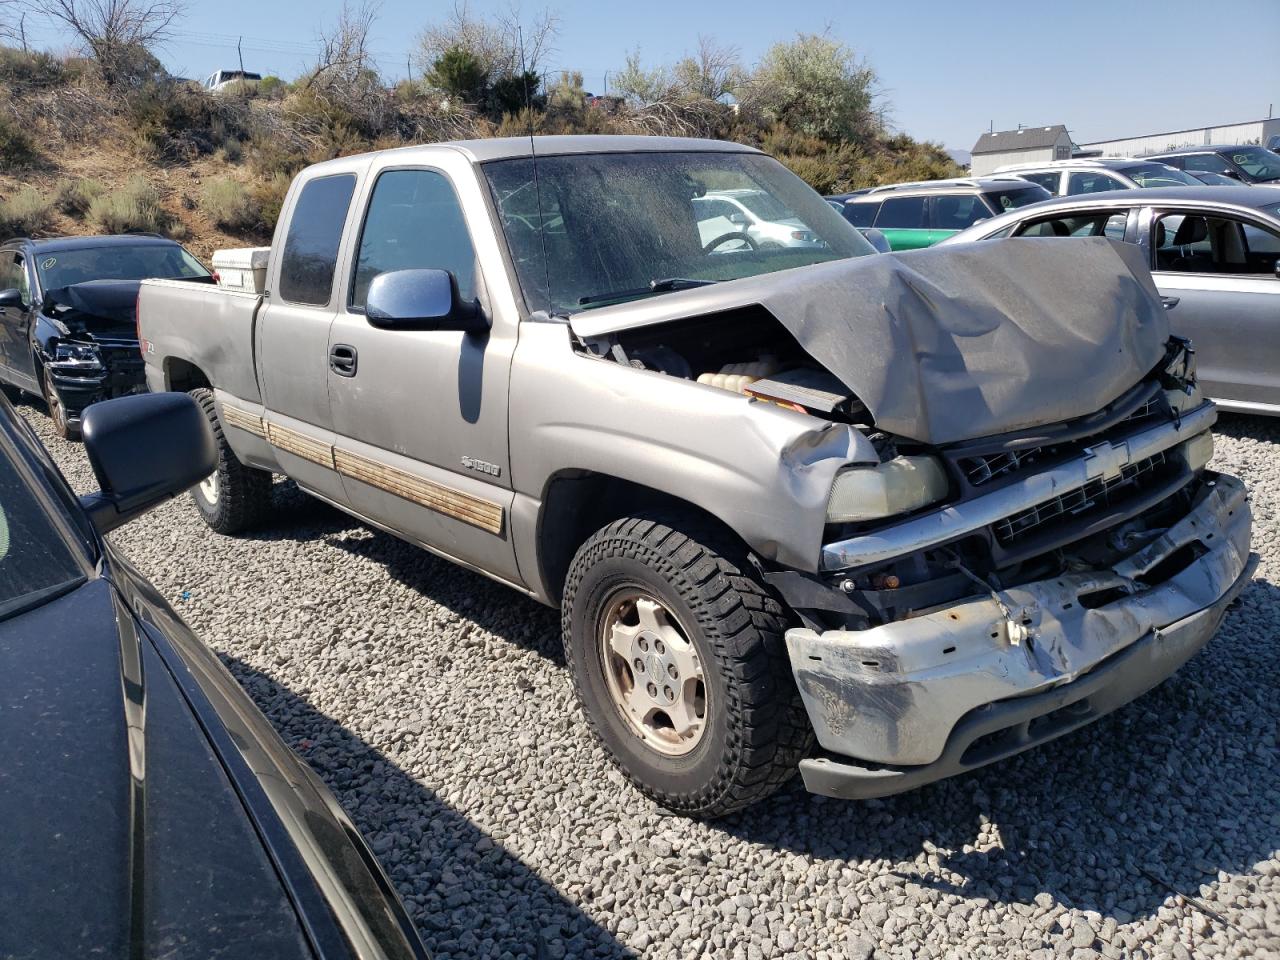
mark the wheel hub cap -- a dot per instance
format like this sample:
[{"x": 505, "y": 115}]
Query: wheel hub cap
[
  {"x": 209, "y": 487},
  {"x": 654, "y": 674}
]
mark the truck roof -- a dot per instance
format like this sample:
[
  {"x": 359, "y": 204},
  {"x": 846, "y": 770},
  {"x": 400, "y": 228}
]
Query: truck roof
[
  {"x": 78, "y": 243},
  {"x": 508, "y": 148}
]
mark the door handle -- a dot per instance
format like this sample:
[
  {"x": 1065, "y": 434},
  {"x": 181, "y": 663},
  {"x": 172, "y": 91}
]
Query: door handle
[
  {"x": 1170, "y": 302},
  {"x": 342, "y": 359}
]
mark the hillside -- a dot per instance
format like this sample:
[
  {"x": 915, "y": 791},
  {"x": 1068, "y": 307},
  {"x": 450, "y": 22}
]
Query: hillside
[{"x": 80, "y": 156}]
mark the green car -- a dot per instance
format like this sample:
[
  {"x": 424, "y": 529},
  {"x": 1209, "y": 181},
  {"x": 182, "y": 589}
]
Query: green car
[{"x": 916, "y": 215}]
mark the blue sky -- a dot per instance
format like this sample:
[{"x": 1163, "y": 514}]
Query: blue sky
[{"x": 948, "y": 69}]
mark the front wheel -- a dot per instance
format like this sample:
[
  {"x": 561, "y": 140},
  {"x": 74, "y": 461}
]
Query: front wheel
[
  {"x": 233, "y": 498},
  {"x": 62, "y": 424},
  {"x": 678, "y": 659}
]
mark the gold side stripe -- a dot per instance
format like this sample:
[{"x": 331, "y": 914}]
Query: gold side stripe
[
  {"x": 462, "y": 506},
  {"x": 243, "y": 420},
  {"x": 300, "y": 445}
]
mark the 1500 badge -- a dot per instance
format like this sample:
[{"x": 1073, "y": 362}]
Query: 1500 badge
[{"x": 482, "y": 466}]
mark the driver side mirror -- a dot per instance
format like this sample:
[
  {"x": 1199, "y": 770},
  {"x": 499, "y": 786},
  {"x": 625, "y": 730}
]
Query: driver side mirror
[
  {"x": 11, "y": 298},
  {"x": 738, "y": 219},
  {"x": 421, "y": 299},
  {"x": 144, "y": 449},
  {"x": 876, "y": 238}
]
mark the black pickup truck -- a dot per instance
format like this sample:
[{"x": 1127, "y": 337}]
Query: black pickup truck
[{"x": 67, "y": 330}]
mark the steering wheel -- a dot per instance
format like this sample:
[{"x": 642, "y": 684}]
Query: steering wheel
[{"x": 732, "y": 235}]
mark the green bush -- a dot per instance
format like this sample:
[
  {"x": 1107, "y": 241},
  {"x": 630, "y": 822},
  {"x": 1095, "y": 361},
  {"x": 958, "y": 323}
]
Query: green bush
[
  {"x": 26, "y": 213},
  {"x": 133, "y": 208},
  {"x": 268, "y": 196},
  {"x": 74, "y": 197},
  {"x": 272, "y": 88},
  {"x": 228, "y": 204},
  {"x": 17, "y": 149}
]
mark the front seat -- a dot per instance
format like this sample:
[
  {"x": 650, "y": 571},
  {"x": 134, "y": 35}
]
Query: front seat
[{"x": 1192, "y": 230}]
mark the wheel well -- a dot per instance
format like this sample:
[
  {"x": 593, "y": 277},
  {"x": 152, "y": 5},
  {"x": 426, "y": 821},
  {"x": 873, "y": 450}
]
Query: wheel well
[
  {"x": 578, "y": 503},
  {"x": 183, "y": 376}
]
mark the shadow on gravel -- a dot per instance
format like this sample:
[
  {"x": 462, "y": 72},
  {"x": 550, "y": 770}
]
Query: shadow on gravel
[
  {"x": 1154, "y": 799},
  {"x": 466, "y": 894},
  {"x": 1242, "y": 426},
  {"x": 484, "y": 602}
]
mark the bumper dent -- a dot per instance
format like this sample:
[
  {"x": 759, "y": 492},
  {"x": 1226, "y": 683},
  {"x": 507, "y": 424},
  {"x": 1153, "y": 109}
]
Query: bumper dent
[{"x": 919, "y": 692}]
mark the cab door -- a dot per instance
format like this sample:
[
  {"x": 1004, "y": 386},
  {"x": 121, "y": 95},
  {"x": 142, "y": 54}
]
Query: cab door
[
  {"x": 420, "y": 415},
  {"x": 15, "y": 321},
  {"x": 293, "y": 332}
]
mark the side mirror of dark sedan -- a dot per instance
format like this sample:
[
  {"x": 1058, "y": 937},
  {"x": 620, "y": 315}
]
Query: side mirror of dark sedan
[
  {"x": 11, "y": 298},
  {"x": 421, "y": 300},
  {"x": 144, "y": 449},
  {"x": 876, "y": 238}
]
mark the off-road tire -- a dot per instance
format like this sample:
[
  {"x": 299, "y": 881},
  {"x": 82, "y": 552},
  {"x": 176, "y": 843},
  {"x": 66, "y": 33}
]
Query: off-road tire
[
  {"x": 57, "y": 412},
  {"x": 243, "y": 493},
  {"x": 757, "y": 730}
]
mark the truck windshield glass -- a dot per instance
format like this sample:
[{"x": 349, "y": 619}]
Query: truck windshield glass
[
  {"x": 151, "y": 261},
  {"x": 36, "y": 562},
  {"x": 619, "y": 226}
]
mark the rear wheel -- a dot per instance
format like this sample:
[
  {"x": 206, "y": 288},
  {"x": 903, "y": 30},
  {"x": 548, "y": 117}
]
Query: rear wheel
[
  {"x": 233, "y": 498},
  {"x": 678, "y": 659},
  {"x": 62, "y": 425}
]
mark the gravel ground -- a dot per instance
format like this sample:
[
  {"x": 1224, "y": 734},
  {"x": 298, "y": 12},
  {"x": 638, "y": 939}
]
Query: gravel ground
[{"x": 437, "y": 706}]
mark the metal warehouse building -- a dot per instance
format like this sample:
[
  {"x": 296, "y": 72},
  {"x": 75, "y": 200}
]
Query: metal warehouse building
[
  {"x": 1024, "y": 145},
  {"x": 1252, "y": 131}
]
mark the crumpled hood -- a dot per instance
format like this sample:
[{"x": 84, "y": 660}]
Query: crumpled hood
[
  {"x": 952, "y": 343},
  {"x": 111, "y": 300}
]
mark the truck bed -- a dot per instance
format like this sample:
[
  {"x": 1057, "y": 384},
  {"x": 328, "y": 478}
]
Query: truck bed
[{"x": 208, "y": 327}]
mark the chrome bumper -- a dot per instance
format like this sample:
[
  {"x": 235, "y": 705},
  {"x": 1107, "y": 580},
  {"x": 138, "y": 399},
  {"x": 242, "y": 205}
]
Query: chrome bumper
[
  {"x": 951, "y": 523},
  {"x": 894, "y": 694}
]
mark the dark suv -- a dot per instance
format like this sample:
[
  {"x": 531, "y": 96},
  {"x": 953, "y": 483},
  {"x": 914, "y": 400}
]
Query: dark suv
[
  {"x": 67, "y": 328},
  {"x": 1247, "y": 163},
  {"x": 915, "y": 215}
]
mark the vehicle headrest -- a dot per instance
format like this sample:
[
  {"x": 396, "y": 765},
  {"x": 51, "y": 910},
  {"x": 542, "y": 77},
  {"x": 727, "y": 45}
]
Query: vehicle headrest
[
  {"x": 1191, "y": 230},
  {"x": 1160, "y": 234}
]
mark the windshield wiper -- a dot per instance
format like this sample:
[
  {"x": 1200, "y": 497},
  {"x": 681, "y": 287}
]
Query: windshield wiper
[{"x": 655, "y": 286}]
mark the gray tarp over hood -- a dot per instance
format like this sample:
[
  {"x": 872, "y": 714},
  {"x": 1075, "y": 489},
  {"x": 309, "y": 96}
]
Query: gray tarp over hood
[{"x": 955, "y": 342}]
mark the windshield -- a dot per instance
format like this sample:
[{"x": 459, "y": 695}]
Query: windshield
[
  {"x": 36, "y": 562},
  {"x": 61, "y": 268},
  {"x": 1159, "y": 175},
  {"x": 1256, "y": 162},
  {"x": 1014, "y": 197},
  {"x": 618, "y": 226}
]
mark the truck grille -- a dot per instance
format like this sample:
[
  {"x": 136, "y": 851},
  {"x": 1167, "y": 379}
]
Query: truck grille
[
  {"x": 984, "y": 468},
  {"x": 1092, "y": 496}
]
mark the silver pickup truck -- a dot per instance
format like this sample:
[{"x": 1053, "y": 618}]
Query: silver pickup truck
[{"x": 880, "y": 518}]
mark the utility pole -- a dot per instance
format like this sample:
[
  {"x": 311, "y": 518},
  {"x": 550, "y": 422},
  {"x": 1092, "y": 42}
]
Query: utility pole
[
  {"x": 22, "y": 31},
  {"x": 408, "y": 68},
  {"x": 239, "y": 54}
]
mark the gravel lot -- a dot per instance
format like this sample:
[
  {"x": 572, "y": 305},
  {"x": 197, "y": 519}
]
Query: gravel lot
[{"x": 437, "y": 706}]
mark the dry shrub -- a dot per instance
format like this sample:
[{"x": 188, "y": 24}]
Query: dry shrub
[
  {"x": 25, "y": 213},
  {"x": 268, "y": 196},
  {"x": 17, "y": 149},
  {"x": 74, "y": 197},
  {"x": 133, "y": 208},
  {"x": 228, "y": 204}
]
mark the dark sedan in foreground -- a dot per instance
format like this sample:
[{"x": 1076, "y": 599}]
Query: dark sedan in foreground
[
  {"x": 148, "y": 808},
  {"x": 67, "y": 328},
  {"x": 1213, "y": 253}
]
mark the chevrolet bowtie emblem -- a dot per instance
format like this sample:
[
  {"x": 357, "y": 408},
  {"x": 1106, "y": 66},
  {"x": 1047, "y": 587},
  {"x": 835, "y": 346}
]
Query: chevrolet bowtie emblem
[{"x": 1105, "y": 461}]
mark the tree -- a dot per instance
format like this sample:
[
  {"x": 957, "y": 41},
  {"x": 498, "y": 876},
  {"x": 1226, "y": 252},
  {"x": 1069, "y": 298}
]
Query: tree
[
  {"x": 816, "y": 86},
  {"x": 503, "y": 45},
  {"x": 713, "y": 73},
  {"x": 460, "y": 72},
  {"x": 344, "y": 60},
  {"x": 117, "y": 32}
]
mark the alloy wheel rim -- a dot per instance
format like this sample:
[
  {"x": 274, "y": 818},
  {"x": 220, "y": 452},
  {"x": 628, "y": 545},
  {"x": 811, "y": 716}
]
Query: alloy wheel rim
[
  {"x": 209, "y": 488},
  {"x": 56, "y": 412},
  {"x": 653, "y": 673}
]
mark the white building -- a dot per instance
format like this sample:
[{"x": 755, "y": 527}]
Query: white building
[
  {"x": 1253, "y": 131},
  {"x": 1024, "y": 145}
]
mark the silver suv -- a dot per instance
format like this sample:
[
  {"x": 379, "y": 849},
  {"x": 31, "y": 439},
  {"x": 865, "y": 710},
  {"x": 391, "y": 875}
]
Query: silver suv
[{"x": 1064, "y": 178}]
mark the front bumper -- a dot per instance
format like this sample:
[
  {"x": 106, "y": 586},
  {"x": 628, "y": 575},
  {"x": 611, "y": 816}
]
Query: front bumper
[
  {"x": 916, "y": 700},
  {"x": 78, "y": 388}
]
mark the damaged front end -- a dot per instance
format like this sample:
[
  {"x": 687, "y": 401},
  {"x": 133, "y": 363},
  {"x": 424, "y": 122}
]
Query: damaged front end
[
  {"x": 1077, "y": 567},
  {"x": 87, "y": 344}
]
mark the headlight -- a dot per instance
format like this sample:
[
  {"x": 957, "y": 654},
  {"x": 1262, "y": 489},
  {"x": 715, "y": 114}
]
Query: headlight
[
  {"x": 77, "y": 354},
  {"x": 898, "y": 486}
]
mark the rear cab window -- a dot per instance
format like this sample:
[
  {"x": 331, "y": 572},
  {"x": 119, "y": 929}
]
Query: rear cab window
[{"x": 310, "y": 255}]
